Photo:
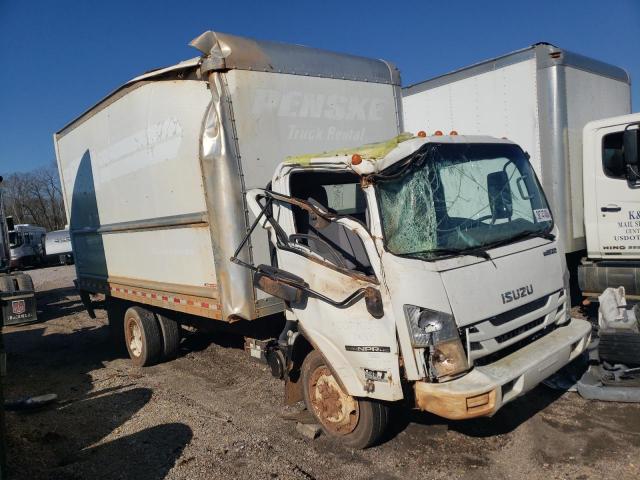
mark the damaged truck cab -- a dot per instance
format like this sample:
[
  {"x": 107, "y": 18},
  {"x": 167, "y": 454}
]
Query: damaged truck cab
[{"x": 428, "y": 262}]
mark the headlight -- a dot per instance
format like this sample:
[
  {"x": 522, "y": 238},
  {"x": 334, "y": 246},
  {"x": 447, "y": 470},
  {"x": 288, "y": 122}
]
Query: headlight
[{"x": 437, "y": 331}]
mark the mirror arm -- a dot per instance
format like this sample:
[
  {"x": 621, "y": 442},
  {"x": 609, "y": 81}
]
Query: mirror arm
[{"x": 235, "y": 258}]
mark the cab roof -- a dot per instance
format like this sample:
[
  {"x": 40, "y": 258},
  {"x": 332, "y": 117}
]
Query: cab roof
[
  {"x": 377, "y": 157},
  {"x": 612, "y": 121}
]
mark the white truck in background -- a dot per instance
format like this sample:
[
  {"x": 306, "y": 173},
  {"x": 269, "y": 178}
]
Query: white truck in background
[
  {"x": 27, "y": 245},
  {"x": 57, "y": 246},
  {"x": 611, "y": 206},
  {"x": 4, "y": 236},
  {"x": 540, "y": 97},
  {"x": 423, "y": 268},
  {"x": 17, "y": 295}
]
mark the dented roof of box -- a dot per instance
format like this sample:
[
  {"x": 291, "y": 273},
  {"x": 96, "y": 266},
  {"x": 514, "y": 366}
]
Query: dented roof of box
[{"x": 241, "y": 53}]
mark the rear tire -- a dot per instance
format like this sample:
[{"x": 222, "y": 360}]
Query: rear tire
[
  {"x": 6, "y": 284},
  {"x": 356, "y": 422},
  {"x": 25, "y": 282},
  {"x": 170, "y": 330},
  {"x": 142, "y": 336}
]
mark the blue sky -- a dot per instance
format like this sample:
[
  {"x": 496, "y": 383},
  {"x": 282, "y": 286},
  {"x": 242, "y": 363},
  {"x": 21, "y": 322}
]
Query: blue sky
[{"x": 60, "y": 57}]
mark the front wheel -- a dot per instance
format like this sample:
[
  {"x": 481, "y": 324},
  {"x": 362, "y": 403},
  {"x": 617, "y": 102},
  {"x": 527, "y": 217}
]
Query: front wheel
[{"x": 356, "y": 422}]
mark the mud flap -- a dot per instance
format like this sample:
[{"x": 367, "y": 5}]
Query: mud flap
[
  {"x": 86, "y": 301},
  {"x": 17, "y": 299},
  {"x": 293, "y": 391}
]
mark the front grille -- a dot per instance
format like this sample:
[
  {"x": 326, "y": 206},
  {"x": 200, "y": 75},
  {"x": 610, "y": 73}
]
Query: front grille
[
  {"x": 494, "y": 357},
  {"x": 518, "y": 312},
  {"x": 498, "y": 333},
  {"x": 519, "y": 331}
]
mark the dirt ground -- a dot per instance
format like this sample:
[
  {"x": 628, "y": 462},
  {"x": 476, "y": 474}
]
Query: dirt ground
[{"x": 216, "y": 413}]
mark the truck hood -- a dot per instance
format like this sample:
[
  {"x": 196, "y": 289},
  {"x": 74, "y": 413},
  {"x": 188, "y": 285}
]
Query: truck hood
[{"x": 484, "y": 289}]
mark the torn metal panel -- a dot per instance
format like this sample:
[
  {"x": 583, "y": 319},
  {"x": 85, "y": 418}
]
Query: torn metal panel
[
  {"x": 222, "y": 179},
  {"x": 248, "y": 54}
]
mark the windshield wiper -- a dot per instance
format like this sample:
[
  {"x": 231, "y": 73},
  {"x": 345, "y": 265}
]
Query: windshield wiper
[
  {"x": 441, "y": 252},
  {"x": 522, "y": 236}
]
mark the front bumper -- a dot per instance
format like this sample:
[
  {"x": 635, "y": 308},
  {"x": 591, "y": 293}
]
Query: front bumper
[{"x": 485, "y": 389}]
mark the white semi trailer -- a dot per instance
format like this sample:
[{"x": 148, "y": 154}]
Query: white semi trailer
[
  {"x": 420, "y": 268},
  {"x": 540, "y": 97}
]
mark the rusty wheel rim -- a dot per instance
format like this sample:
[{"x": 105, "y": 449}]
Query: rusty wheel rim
[
  {"x": 134, "y": 337},
  {"x": 337, "y": 411}
]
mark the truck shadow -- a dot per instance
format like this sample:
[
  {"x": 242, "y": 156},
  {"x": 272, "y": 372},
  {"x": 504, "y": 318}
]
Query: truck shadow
[
  {"x": 58, "y": 302},
  {"x": 93, "y": 431},
  {"x": 507, "y": 419}
]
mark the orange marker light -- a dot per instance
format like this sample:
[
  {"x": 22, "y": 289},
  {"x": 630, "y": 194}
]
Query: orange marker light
[
  {"x": 438, "y": 133},
  {"x": 422, "y": 133},
  {"x": 453, "y": 132},
  {"x": 356, "y": 159}
]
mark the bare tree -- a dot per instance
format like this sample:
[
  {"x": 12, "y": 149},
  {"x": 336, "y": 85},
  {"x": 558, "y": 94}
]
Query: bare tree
[{"x": 35, "y": 197}]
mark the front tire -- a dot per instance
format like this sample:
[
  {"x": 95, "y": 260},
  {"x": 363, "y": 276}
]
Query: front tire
[
  {"x": 356, "y": 422},
  {"x": 142, "y": 337}
]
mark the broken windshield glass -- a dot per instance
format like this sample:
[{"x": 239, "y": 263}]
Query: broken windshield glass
[{"x": 455, "y": 197}]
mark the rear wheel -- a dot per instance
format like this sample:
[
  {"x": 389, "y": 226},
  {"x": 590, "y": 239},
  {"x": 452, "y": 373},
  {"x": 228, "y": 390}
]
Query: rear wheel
[
  {"x": 356, "y": 422},
  {"x": 25, "y": 282},
  {"x": 6, "y": 284},
  {"x": 170, "y": 330},
  {"x": 142, "y": 336}
]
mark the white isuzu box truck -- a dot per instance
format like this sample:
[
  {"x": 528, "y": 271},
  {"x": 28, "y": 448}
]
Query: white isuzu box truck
[
  {"x": 423, "y": 269},
  {"x": 540, "y": 97}
]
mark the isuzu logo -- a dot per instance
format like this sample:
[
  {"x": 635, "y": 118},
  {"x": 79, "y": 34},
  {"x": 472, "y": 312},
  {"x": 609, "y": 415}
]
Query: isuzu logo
[{"x": 511, "y": 295}]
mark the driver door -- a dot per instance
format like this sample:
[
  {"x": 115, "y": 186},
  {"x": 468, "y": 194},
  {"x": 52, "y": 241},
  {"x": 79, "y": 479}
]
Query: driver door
[
  {"x": 337, "y": 259},
  {"x": 618, "y": 203}
]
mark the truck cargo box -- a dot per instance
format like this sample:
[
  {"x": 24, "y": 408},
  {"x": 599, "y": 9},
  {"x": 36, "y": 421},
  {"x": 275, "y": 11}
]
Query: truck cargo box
[
  {"x": 540, "y": 97},
  {"x": 154, "y": 175}
]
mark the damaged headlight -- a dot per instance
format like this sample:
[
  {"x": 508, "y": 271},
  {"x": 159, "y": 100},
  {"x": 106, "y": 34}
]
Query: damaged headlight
[{"x": 438, "y": 332}]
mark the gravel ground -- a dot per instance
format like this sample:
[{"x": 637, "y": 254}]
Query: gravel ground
[{"x": 215, "y": 413}]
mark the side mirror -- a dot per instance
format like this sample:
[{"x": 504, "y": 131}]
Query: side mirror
[
  {"x": 10, "y": 223},
  {"x": 373, "y": 301},
  {"x": 631, "y": 145},
  {"x": 499, "y": 193},
  {"x": 280, "y": 284}
]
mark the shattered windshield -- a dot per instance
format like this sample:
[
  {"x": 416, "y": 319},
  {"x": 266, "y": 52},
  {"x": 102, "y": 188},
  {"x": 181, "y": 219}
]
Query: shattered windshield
[{"x": 453, "y": 197}]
